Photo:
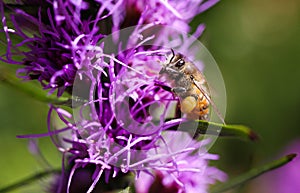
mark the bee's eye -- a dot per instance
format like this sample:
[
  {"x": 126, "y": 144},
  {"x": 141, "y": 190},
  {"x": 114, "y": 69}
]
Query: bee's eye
[{"x": 179, "y": 63}]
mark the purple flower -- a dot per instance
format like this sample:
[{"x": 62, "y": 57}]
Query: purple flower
[
  {"x": 47, "y": 39},
  {"x": 285, "y": 179},
  {"x": 173, "y": 13},
  {"x": 83, "y": 177},
  {"x": 58, "y": 35},
  {"x": 126, "y": 129},
  {"x": 187, "y": 173},
  {"x": 123, "y": 126}
]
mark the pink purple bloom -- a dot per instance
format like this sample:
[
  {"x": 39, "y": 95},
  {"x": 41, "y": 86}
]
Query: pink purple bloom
[
  {"x": 285, "y": 179},
  {"x": 127, "y": 128},
  {"x": 173, "y": 13},
  {"x": 191, "y": 173},
  {"x": 59, "y": 34},
  {"x": 123, "y": 126}
]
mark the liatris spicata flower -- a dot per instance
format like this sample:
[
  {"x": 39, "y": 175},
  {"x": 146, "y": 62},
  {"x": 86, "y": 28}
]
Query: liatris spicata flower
[
  {"x": 191, "y": 174},
  {"x": 176, "y": 14},
  {"x": 124, "y": 125},
  {"x": 58, "y": 34},
  {"x": 46, "y": 38},
  {"x": 124, "y": 128}
]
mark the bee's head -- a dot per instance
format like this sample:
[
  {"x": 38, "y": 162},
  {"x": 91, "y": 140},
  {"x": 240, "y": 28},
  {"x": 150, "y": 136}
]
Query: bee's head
[
  {"x": 178, "y": 62},
  {"x": 175, "y": 64}
]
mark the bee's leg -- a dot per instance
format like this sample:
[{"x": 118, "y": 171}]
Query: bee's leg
[
  {"x": 179, "y": 90},
  {"x": 188, "y": 104}
]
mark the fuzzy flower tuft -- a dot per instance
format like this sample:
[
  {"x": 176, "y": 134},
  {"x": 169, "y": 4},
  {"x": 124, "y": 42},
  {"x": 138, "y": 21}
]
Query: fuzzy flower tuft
[
  {"x": 58, "y": 36},
  {"x": 188, "y": 172},
  {"x": 126, "y": 130},
  {"x": 123, "y": 125},
  {"x": 50, "y": 37}
]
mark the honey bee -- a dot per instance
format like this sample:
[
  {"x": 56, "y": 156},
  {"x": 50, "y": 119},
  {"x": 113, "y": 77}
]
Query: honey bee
[{"x": 189, "y": 84}]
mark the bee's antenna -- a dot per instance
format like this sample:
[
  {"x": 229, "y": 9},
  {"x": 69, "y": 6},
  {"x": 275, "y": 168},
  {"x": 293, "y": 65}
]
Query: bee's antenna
[
  {"x": 157, "y": 54},
  {"x": 173, "y": 55}
]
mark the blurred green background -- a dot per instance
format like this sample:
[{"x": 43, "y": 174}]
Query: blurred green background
[{"x": 257, "y": 46}]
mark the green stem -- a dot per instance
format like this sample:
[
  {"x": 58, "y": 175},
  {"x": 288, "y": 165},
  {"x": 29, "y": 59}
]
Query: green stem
[
  {"x": 29, "y": 89},
  {"x": 253, "y": 173},
  {"x": 211, "y": 128},
  {"x": 28, "y": 180},
  {"x": 226, "y": 130}
]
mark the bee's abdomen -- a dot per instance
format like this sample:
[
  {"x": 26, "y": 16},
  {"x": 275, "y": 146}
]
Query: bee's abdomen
[
  {"x": 200, "y": 111},
  {"x": 195, "y": 106}
]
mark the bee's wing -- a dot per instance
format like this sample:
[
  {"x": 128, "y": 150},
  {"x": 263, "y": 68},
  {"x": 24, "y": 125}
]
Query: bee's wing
[{"x": 204, "y": 91}]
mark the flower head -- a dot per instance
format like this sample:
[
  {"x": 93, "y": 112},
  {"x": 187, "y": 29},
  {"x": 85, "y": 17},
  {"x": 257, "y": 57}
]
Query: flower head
[
  {"x": 173, "y": 13},
  {"x": 58, "y": 35},
  {"x": 126, "y": 129},
  {"x": 123, "y": 125},
  {"x": 49, "y": 36},
  {"x": 188, "y": 172}
]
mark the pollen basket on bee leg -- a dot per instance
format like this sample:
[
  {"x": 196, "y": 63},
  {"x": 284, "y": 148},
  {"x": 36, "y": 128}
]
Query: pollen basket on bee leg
[{"x": 188, "y": 104}]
